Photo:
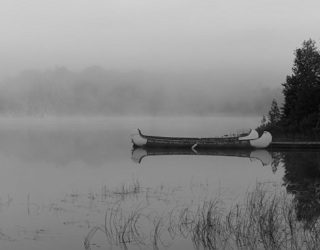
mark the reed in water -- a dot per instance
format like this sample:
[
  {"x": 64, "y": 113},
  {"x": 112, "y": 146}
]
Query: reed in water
[{"x": 265, "y": 220}]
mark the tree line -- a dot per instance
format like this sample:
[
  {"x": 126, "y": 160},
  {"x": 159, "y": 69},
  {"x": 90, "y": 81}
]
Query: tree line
[{"x": 300, "y": 112}]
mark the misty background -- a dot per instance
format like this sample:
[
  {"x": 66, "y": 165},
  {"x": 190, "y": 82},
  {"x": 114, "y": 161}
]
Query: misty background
[
  {"x": 153, "y": 57},
  {"x": 96, "y": 91}
]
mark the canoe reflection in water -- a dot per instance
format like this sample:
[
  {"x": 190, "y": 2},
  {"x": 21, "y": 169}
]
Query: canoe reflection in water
[{"x": 138, "y": 153}]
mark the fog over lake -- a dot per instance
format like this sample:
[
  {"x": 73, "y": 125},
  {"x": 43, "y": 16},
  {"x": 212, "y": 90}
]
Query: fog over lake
[
  {"x": 148, "y": 57},
  {"x": 97, "y": 91}
]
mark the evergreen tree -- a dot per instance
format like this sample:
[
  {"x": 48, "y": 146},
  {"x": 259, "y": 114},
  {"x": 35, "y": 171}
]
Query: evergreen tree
[
  {"x": 302, "y": 88},
  {"x": 274, "y": 113},
  {"x": 318, "y": 121},
  {"x": 263, "y": 120}
]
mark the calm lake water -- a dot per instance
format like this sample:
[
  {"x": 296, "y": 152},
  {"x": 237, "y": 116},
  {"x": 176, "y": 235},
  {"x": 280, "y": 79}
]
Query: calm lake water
[{"x": 75, "y": 183}]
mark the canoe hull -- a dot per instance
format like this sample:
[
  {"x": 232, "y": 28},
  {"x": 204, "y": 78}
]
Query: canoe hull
[
  {"x": 141, "y": 140},
  {"x": 197, "y": 143}
]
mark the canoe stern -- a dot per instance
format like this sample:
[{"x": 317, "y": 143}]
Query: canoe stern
[
  {"x": 262, "y": 142},
  {"x": 251, "y": 136},
  {"x": 138, "y": 140}
]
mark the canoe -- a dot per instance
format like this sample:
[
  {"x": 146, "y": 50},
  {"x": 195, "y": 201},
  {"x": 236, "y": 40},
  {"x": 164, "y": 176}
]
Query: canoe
[
  {"x": 264, "y": 156},
  {"x": 251, "y": 140}
]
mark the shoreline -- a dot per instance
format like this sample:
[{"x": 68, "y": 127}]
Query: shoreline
[{"x": 295, "y": 144}]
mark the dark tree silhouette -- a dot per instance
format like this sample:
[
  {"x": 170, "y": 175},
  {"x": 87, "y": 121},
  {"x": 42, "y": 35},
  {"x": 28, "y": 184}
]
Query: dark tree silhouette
[
  {"x": 274, "y": 113},
  {"x": 302, "y": 89},
  {"x": 273, "y": 123}
]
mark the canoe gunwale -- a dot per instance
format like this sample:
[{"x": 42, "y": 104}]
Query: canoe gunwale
[{"x": 231, "y": 138}]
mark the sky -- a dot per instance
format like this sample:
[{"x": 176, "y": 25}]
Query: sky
[{"x": 246, "y": 39}]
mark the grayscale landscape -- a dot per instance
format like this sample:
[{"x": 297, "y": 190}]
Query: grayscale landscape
[{"x": 79, "y": 78}]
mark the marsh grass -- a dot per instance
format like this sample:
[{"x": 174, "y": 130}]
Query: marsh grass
[
  {"x": 264, "y": 220},
  {"x": 121, "y": 228},
  {"x": 105, "y": 194},
  {"x": 129, "y": 189}
]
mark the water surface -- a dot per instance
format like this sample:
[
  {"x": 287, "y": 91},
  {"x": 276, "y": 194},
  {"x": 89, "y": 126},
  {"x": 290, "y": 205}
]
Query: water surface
[{"x": 60, "y": 178}]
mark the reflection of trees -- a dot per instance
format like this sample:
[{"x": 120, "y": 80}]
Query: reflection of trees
[
  {"x": 302, "y": 179},
  {"x": 276, "y": 160}
]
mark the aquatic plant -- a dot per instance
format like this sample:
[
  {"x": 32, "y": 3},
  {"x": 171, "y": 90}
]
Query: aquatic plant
[
  {"x": 265, "y": 220},
  {"x": 133, "y": 188}
]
